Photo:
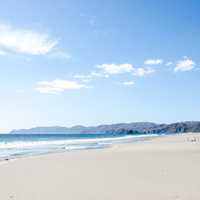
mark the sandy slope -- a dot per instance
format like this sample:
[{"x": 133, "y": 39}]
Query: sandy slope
[{"x": 160, "y": 169}]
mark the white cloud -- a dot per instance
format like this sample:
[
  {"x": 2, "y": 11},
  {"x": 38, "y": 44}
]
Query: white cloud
[
  {"x": 99, "y": 75},
  {"x": 58, "y": 86},
  {"x": 107, "y": 70},
  {"x": 82, "y": 77},
  {"x": 90, "y": 76},
  {"x": 115, "y": 68},
  {"x": 143, "y": 71},
  {"x": 184, "y": 65},
  {"x": 153, "y": 62},
  {"x": 128, "y": 83},
  {"x": 25, "y": 41}
]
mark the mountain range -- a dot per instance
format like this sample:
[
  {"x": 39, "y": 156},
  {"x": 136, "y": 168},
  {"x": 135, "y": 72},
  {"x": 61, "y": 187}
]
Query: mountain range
[{"x": 120, "y": 128}]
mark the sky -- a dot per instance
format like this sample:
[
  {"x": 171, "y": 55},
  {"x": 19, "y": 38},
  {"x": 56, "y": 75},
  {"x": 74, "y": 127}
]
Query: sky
[{"x": 70, "y": 62}]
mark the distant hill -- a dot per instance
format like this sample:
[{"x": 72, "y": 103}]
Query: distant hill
[{"x": 121, "y": 128}]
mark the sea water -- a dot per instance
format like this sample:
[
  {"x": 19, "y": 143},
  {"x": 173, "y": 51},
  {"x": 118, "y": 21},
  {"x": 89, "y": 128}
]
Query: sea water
[{"x": 16, "y": 145}]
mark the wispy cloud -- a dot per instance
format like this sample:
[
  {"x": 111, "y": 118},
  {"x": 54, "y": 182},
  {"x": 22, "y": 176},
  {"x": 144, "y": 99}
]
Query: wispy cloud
[
  {"x": 60, "y": 54},
  {"x": 184, "y": 65},
  {"x": 25, "y": 41},
  {"x": 90, "y": 76},
  {"x": 128, "y": 83},
  {"x": 58, "y": 86},
  {"x": 81, "y": 76},
  {"x": 108, "y": 70},
  {"x": 115, "y": 68},
  {"x": 141, "y": 71},
  {"x": 153, "y": 61},
  {"x": 169, "y": 63},
  {"x": 99, "y": 75}
]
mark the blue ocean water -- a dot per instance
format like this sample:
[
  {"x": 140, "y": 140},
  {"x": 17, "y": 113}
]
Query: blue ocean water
[{"x": 16, "y": 145}]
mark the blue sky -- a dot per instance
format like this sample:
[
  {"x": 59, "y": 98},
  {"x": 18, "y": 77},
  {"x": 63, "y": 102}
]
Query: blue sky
[{"x": 93, "y": 62}]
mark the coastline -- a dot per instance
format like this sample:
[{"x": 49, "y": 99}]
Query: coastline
[
  {"x": 17, "y": 146},
  {"x": 164, "y": 167}
]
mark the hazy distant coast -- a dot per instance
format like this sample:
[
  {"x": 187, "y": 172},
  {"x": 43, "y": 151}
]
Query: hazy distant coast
[{"x": 120, "y": 128}]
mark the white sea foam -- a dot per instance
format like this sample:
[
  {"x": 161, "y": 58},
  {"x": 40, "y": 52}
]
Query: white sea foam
[
  {"x": 14, "y": 149},
  {"x": 33, "y": 144}
]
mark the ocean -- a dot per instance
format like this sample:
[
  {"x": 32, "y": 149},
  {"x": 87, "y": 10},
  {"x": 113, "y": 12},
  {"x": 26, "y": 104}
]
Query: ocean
[{"x": 17, "y": 145}]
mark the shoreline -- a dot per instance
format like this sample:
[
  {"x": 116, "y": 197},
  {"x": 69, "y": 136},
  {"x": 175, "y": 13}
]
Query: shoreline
[
  {"x": 80, "y": 145},
  {"x": 164, "y": 168},
  {"x": 122, "y": 144}
]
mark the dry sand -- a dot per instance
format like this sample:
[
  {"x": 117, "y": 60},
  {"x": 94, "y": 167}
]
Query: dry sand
[{"x": 166, "y": 168}]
